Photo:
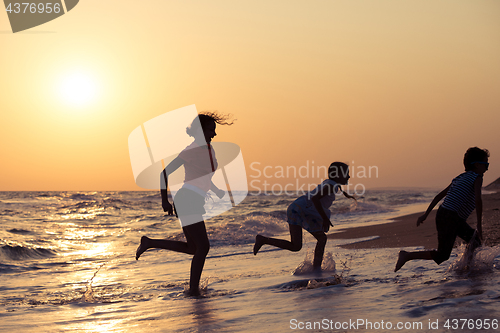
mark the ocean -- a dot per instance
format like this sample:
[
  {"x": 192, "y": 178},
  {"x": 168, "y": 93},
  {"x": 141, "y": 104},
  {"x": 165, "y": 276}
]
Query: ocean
[{"x": 67, "y": 264}]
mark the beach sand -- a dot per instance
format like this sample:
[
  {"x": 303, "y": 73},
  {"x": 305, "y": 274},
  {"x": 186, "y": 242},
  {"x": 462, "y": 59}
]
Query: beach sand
[{"x": 403, "y": 231}]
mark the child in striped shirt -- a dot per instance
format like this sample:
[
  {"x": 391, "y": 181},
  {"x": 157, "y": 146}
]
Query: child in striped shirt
[{"x": 461, "y": 197}]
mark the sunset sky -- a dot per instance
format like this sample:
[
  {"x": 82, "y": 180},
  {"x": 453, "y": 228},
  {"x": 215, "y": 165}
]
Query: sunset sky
[{"x": 403, "y": 86}]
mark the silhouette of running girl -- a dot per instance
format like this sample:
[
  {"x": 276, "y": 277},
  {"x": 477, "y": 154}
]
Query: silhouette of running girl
[{"x": 200, "y": 164}]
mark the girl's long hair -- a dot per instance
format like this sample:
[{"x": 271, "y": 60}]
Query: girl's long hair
[{"x": 206, "y": 117}]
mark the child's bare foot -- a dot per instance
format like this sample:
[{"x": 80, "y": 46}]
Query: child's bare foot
[
  {"x": 259, "y": 241},
  {"x": 402, "y": 259},
  {"x": 142, "y": 247}
]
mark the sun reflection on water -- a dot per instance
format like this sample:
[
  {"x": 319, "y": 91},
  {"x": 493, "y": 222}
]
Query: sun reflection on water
[
  {"x": 82, "y": 213},
  {"x": 91, "y": 250}
]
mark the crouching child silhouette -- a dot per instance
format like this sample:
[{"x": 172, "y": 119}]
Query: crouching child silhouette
[{"x": 311, "y": 212}]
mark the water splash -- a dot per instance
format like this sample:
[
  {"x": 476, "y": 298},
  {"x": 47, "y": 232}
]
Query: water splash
[
  {"x": 203, "y": 287},
  {"x": 88, "y": 295},
  {"x": 205, "y": 292},
  {"x": 478, "y": 262},
  {"x": 306, "y": 266},
  {"x": 319, "y": 283}
]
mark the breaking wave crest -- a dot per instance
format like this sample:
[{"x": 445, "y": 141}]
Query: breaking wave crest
[{"x": 25, "y": 253}]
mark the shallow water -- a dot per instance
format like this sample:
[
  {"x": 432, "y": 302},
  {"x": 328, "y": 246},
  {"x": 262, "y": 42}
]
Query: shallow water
[{"x": 67, "y": 264}]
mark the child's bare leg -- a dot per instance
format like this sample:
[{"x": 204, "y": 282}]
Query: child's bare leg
[
  {"x": 320, "y": 249},
  {"x": 295, "y": 243},
  {"x": 407, "y": 256}
]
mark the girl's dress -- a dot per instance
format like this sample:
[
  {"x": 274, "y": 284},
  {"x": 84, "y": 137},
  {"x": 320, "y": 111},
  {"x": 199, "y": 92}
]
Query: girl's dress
[{"x": 303, "y": 213}]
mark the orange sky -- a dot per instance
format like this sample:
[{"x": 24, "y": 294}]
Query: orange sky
[{"x": 405, "y": 86}]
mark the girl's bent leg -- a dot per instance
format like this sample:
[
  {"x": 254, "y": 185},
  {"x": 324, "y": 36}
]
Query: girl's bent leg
[
  {"x": 197, "y": 244},
  {"x": 320, "y": 249},
  {"x": 295, "y": 243},
  {"x": 149, "y": 243}
]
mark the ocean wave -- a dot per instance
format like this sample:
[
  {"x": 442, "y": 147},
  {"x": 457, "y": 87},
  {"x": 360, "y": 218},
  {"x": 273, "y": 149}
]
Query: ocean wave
[
  {"x": 7, "y": 269},
  {"x": 19, "y": 231},
  {"x": 95, "y": 204},
  {"x": 155, "y": 196},
  {"x": 117, "y": 204},
  {"x": 25, "y": 253},
  {"x": 48, "y": 196},
  {"x": 360, "y": 208},
  {"x": 81, "y": 205},
  {"x": 243, "y": 231},
  {"x": 8, "y": 212},
  {"x": 83, "y": 196},
  {"x": 284, "y": 202}
]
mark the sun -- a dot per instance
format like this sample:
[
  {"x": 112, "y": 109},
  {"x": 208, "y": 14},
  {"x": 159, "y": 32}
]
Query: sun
[{"x": 78, "y": 89}]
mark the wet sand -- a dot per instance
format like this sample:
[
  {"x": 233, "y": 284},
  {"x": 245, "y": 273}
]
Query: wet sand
[{"x": 404, "y": 231}]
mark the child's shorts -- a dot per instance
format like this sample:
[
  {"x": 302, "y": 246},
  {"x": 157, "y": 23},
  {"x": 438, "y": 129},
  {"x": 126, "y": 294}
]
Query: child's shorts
[{"x": 449, "y": 225}]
